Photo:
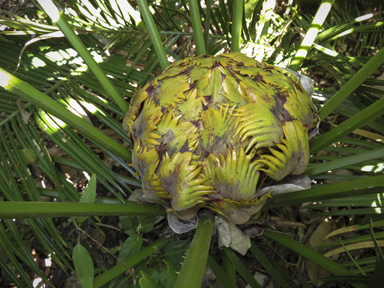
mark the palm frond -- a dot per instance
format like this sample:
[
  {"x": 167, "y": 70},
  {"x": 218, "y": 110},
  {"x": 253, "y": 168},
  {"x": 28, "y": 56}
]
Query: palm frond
[
  {"x": 113, "y": 32},
  {"x": 39, "y": 67}
]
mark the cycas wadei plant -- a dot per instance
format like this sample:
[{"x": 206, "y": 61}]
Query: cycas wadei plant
[{"x": 190, "y": 144}]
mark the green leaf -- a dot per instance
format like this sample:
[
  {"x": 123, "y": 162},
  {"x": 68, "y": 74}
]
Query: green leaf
[
  {"x": 378, "y": 221},
  {"x": 219, "y": 273},
  {"x": 149, "y": 23},
  {"x": 133, "y": 225},
  {"x": 171, "y": 271},
  {"x": 312, "y": 255},
  {"x": 228, "y": 266},
  {"x": 165, "y": 279},
  {"x": 292, "y": 282},
  {"x": 89, "y": 195},
  {"x": 11, "y": 275},
  {"x": 130, "y": 247},
  {"x": 368, "y": 114},
  {"x": 7, "y": 246},
  {"x": 146, "y": 281},
  {"x": 174, "y": 252},
  {"x": 120, "y": 268},
  {"x": 311, "y": 34},
  {"x": 369, "y": 185},
  {"x": 17, "y": 210},
  {"x": 58, "y": 18},
  {"x": 120, "y": 282},
  {"x": 33, "y": 95},
  {"x": 352, "y": 84},
  {"x": 197, "y": 27},
  {"x": 263, "y": 259},
  {"x": 83, "y": 265},
  {"x": 240, "y": 267},
  {"x": 192, "y": 271},
  {"x": 249, "y": 7},
  {"x": 28, "y": 155},
  {"x": 154, "y": 273},
  {"x": 129, "y": 224},
  {"x": 345, "y": 161},
  {"x": 146, "y": 224},
  {"x": 237, "y": 21},
  {"x": 20, "y": 249},
  {"x": 377, "y": 277},
  {"x": 345, "y": 279}
]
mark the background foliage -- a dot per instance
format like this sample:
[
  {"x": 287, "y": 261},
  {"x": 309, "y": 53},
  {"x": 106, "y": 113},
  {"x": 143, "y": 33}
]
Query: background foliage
[{"x": 68, "y": 82}]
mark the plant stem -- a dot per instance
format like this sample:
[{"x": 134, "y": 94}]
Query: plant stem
[
  {"x": 153, "y": 33},
  {"x": 237, "y": 24},
  {"x": 311, "y": 34},
  {"x": 71, "y": 36},
  {"x": 375, "y": 62},
  {"x": 29, "y": 93},
  {"x": 192, "y": 271},
  {"x": 196, "y": 26},
  {"x": 19, "y": 210}
]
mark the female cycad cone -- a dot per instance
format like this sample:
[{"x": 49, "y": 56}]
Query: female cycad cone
[{"x": 208, "y": 131}]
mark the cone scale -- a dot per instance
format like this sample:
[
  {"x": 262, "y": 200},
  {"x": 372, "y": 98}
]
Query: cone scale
[{"x": 210, "y": 129}]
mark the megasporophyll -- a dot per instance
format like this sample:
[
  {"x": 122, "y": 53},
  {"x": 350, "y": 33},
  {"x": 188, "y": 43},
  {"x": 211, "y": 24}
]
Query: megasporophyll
[{"x": 210, "y": 129}]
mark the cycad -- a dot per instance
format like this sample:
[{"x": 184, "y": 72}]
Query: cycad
[
  {"x": 209, "y": 129},
  {"x": 139, "y": 62}
]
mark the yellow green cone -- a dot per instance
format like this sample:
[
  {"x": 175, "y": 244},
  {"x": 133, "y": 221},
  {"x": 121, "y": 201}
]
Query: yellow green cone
[{"x": 210, "y": 129}]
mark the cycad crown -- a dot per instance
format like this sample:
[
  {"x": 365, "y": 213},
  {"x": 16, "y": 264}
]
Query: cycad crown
[{"x": 210, "y": 129}]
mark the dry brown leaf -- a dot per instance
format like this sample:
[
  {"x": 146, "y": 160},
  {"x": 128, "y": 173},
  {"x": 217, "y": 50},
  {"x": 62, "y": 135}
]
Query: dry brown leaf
[
  {"x": 98, "y": 237},
  {"x": 108, "y": 132},
  {"x": 367, "y": 134},
  {"x": 318, "y": 238},
  {"x": 57, "y": 151},
  {"x": 109, "y": 161},
  {"x": 111, "y": 133},
  {"x": 315, "y": 272},
  {"x": 360, "y": 245},
  {"x": 25, "y": 115},
  {"x": 342, "y": 230},
  {"x": 70, "y": 173},
  {"x": 370, "y": 135}
]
